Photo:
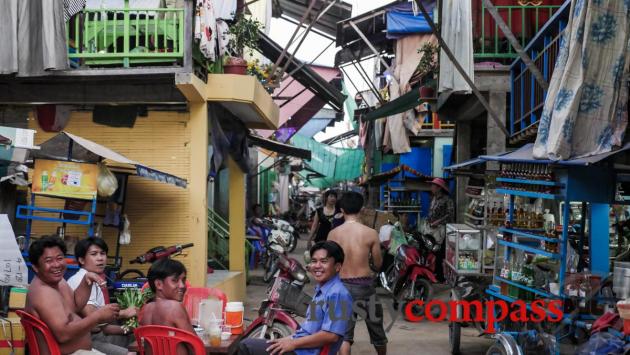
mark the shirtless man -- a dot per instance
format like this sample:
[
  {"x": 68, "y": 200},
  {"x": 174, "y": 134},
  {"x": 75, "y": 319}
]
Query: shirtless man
[
  {"x": 167, "y": 279},
  {"x": 53, "y": 301},
  {"x": 358, "y": 243}
]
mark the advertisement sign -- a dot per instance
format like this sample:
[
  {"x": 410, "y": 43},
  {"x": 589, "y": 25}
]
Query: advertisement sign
[{"x": 65, "y": 179}]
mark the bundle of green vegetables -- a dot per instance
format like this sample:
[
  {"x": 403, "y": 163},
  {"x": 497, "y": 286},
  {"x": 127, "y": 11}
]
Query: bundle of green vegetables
[{"x": 133, "y": 297}]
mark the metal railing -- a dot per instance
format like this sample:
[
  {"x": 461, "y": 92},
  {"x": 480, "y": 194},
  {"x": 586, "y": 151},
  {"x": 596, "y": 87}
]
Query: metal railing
[
  {"x": 101, "y": 37},
  {"x": 527, "y": 96},
  {"x": 218, "y": 236},
  {"x": 524, "y": 21}
]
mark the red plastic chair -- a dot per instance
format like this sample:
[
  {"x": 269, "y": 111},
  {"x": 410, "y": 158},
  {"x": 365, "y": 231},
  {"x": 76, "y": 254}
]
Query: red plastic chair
[
  {"x": 164, "y": 340},
  {"x": 33, "y": 324},
  {"x": 194, "y": 295}
]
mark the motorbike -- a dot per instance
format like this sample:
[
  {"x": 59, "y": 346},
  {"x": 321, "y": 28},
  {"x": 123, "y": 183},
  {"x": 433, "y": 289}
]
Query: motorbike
[
  {"x": 409, "y": 276},
  {"x": 289, "y": 233},
  {"x": 118, "y": 282},
  {"x": 276, "y": 244},
  {"x": 285, "y": 300}
]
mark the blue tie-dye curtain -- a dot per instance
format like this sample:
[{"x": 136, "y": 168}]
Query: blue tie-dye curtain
[{"x": 586, "y": 109}]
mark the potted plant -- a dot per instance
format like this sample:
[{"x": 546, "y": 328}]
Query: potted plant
[
  {"x": 243, "y": 33},
  {"x": 428, "y": 68}
]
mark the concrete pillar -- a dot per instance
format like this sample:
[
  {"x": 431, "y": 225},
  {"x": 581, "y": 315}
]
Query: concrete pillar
[
  {"x": 462, "y": 153},
  {"x": 197, "y": 188},
  {"x": 495, "y": 141},
  {"x": 236, "y": 220}
]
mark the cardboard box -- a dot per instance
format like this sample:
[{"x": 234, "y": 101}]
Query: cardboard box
[
  {"x": 11, "y": 336},
  {"x": 17, "y": 298},
  {"x": 367, "y": 216}
]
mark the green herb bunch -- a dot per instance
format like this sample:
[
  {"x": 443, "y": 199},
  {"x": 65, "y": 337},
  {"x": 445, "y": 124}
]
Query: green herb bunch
[{"x": 133, "y": 297}]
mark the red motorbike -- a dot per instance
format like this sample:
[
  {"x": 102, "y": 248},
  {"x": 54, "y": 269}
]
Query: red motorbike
[
  {"x": 285, "y": 300},
  {"x": 409, "y": 276}
]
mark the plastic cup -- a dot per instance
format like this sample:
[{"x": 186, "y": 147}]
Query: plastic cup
[{"x": 215, "y": 336}]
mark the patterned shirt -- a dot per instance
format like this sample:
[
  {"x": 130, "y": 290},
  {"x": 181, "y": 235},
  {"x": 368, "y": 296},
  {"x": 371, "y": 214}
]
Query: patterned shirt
[{"x": 441, "y": 207}]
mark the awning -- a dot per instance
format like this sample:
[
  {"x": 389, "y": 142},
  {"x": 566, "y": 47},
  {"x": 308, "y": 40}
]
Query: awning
[
  {"x": 281, "y": 148},
  {"x": 386, "y": 175},
  {"x": 305, "y": 75},
  {"x": 525, "y": 155},
  {"x": 83, "y": 150},
  {"x": 327, "y": 24},
  {"x": 401, "y": 20},
  {"x": 464, "y": 164},
  {"x": 401, "y": 104}
]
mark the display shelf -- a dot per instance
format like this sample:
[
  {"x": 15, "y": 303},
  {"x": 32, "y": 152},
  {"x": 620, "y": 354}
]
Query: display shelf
[
  {"x": 531, "y": 194},
  {"x": 475, "y": 196},
  {"x": 528, "y": 249},
  {"x": 473, "y": 217},
  {"x": 528, "y": 235},
  {"x": 531, "y": 182},
  {"x": 526, "y": 288},
  {"x": 509, "y": 299}
]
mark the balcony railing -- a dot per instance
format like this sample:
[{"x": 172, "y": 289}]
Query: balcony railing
[
  {"x": 527, "y": 96},
  {"x": 126, "y": 37},
  {"x": 524, "y": 20}
]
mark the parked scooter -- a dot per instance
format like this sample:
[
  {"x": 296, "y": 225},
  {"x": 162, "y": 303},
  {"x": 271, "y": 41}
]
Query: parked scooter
[
  {"x": 285, "y": 300},
  {"x": 409, "y": 276},
  {"x": 276, "y": 245},
  {"x": 289, "y": 233},
  {"x": 118, "y": 282}
]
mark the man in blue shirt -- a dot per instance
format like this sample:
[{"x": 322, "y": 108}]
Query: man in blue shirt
[{"x": 326, "y": 319}]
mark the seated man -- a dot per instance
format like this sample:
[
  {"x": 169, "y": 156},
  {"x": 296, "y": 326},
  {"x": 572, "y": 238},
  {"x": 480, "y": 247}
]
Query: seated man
[
  {"x": 91, "y": 253},
  {"x": 167, "y": 279},
  {"x": 327, "y": 317},
  {"x": 53, "y": 301}
]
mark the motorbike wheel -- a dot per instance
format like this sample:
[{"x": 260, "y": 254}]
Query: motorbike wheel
[
  {"x": 270, "y": 270},
  {"x": 423, "y": 290},
  {"x": 276, "y": 331},
  {"x": 497, "y": 349},
  {"x": 138, "y": 274},
  {"x": 294, "y": 241}
]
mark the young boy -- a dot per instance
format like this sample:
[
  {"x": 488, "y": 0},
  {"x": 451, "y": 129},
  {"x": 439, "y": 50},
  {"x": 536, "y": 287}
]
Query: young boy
[
  {"x": 167, "y": 279},
  {"x": 91, "y": 253},
  {"x": 53, "y": 301},
  {"x": 327, "y": 317}
]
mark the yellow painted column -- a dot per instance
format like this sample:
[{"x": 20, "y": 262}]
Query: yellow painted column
[
  {"x": 237, "y": 230},
  {"x": 236, "y": 216},
  {"x": 197, "y": 189}
]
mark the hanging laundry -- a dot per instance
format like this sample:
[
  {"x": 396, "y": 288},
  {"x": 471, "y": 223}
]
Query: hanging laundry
[
  {"x": 223, "y": 37},
  {"x": 72, "y": 7},
  {"x": 225, "y": 9},
  {"x": 586, "y": 108},
  {"x": 205, "y": 28},
  {"x": 457, "y": 33}
]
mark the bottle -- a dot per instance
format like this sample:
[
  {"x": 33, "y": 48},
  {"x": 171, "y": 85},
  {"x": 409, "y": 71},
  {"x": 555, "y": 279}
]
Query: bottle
[{"x": 44, "y": 180}]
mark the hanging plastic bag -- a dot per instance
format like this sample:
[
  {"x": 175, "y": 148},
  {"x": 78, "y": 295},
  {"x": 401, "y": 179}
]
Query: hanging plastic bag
[
  {"x": 125, "y": 235},
  {"x": 106, "y": 184}
]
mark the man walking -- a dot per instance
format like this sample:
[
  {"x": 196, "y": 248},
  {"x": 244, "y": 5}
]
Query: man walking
[{"x": 358, "y": 243}]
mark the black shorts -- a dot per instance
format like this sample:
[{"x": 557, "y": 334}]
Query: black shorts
[{"x": 374, "y": 326}]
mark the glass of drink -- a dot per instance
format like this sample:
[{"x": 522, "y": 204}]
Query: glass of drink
[{"x": 215, "y": 336}]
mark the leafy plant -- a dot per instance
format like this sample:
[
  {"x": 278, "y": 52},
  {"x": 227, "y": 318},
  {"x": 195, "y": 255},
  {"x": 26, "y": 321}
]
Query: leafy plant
[
  {"x": 428, "y": 66},
  {"x": 132, "y": 297},
  {"x": 244, "y": 33}
]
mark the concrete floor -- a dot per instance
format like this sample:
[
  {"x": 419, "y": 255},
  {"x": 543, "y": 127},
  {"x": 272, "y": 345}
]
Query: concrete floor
[{"x": 404, "y": 337}]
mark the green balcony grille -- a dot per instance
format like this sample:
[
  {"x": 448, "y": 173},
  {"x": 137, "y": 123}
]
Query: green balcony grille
[{"x": 126, "y": 37}]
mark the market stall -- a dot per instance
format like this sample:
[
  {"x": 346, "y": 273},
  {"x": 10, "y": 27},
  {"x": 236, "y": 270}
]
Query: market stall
[
  {"x": 555, "y": 245},
  {"x": 89, "y": 178}
]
